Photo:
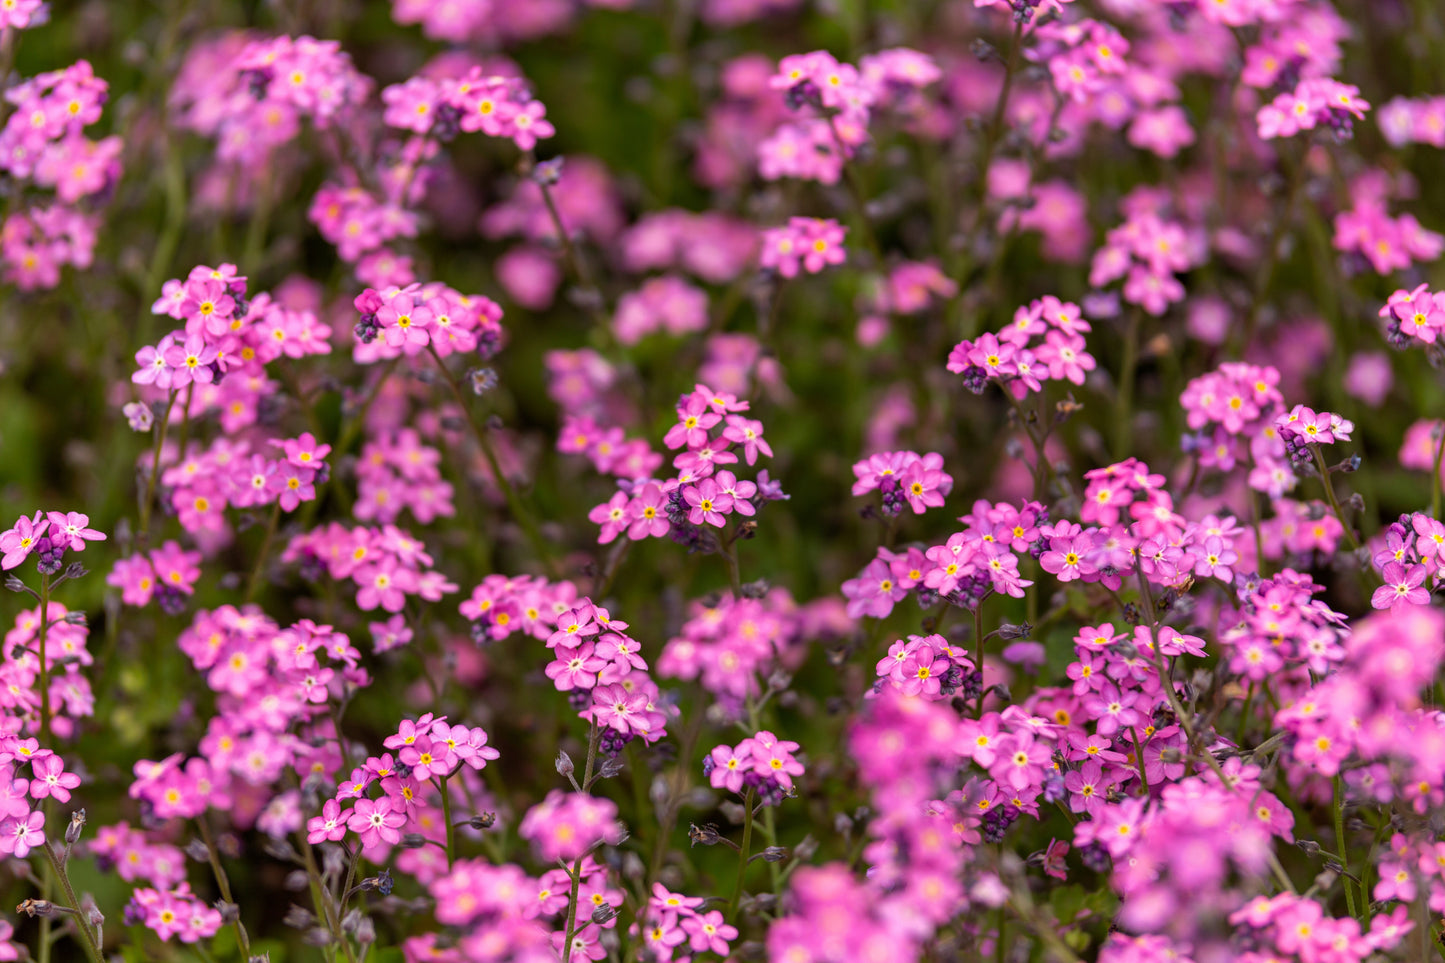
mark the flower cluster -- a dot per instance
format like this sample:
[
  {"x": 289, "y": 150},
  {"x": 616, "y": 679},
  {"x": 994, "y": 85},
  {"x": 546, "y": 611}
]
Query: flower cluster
[
  {"x": 496, "y": 106},
  {"x": 407, "y": 320},
  {"x": 387, "y": 565},
  {"x": 251, "y": 94},
  {"x": 1314, "y": 102},
  {"x": 600, "y": 667},
  {"x": 732, "y": 645},
  {"x": 833, "y": 104},
  {"x": 567, "y": 826},
  {"x": 43, "y": 142},
  {"x": 662, "y": 304},
  {"x": 50, "y": 534},
  {"x": 927, "y": 666},
  {"x": 1014, "y": 359},
  {"x": 395, "y": 472},
  {"x": 1368, "y": 236},
  {"x": 176, "y": 912},
  {"x": 808, "y": 243},
  {"x": 903, "y": 478},
  {"x": 1148, "y": 252},
  {"x": 761, "y": 764},
  {"x": 1413, "y": 120},
  {"x": 703, "y": 492},
  {"x": 673, "y": 919}
]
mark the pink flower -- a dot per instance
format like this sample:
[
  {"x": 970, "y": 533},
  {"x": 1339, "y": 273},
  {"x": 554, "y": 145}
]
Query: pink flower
[
  {"x": 19, "y": 541},
  {"x": 19, "y": 835},
  {"x": 330, "y": 826},
  {"x": 51, "y": 779},
  {"x": 1403, "y": 586},
  {"x": 375, "y": 821},
  {"x": 71, "y": 530},
  {"x": 708, "y": 502}
]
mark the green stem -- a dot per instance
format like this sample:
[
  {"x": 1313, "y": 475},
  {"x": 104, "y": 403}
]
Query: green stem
[
  {"x": 1139, "y": 760},
  {"x": 519, "y": 511},
  {"x": 160, "y": 444},
  {"x": 856, "y": 195},
  {"x": 748, "y": 798},
  {"x": 348, "y": 435},
  {"x": 593, "y": 737},
  {"x": 1244, "y": 713},
  {"x": 92, "y": 949},
  {"x": 1330, "y": 497},
  {"x": 730, "y": 557},
  {"x": 224, "y": 883},
  {"x": 1435, "y": 475},
  {"x": 1339, "y": 813},
  {"x": 1124, "y": 398},
  {"x": 255, "y": 580},
  {"x": 260, "y": 220},
  {"x": 44, "y": 668},
  {"x": 447, "y": 818},
  {"x": 962, "y": 264}
]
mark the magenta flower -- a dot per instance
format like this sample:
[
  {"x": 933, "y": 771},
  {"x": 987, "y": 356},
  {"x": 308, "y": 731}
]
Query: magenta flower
[
  {"x": 709, "y": 933},
  {"x": 648, "y": 510},
  {"x": 375, "y": 821},
  {"x": 1403, "y": 586},
  {"x": 612, "y": 516},
  {"x": 191, "y": 361},
  {"x": 19, "y": 541},
  {"x": 708, "y": 502},
  {"x": 575, "y": 668},
  {"x": 330, "y": 826},
  {"x": 727, "y": 770},
  {"x": 72, "y": 530},
  {"x": 19, "y": 835},
  {"x": 51, "y": 779}
]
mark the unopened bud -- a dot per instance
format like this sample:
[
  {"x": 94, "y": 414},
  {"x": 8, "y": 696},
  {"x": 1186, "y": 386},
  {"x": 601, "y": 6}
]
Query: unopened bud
[
  {"x": 77, "y": 823},
  {"x": 706, "y": 835},
  {"x": 756, "y": 590},
  {"x": 774, "y": 854},
  {"x": 76, "y": 570},
  {"x": 366, "y": 931},
  {"x": 75, "y": 618},
  {"x": 230, "y": 912},
  {"x": 37, "y": 908},
  {"x": 564, "y": 764},
  {"x": 299, "y": 917},
  {"x": 483, "y": 821},
  {"x": 603, "y": 914},
  {"x": 413, "y": 841},
  {"x": 1011, "y": 631}
]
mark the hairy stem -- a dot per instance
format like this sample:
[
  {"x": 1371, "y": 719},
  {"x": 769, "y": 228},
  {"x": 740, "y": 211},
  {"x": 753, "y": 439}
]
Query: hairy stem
[
  {"x": 747, "y": 843},
  {"x": 484, "y": 441}
]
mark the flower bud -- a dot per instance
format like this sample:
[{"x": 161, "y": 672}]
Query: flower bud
[
  {"x": 37, "y": 908},
  {"x": 706, "y": 834},
  {"x": 564, "y": 764},
  {"x": 77, "y": 823},
  {"x": 483, "y": 821}
]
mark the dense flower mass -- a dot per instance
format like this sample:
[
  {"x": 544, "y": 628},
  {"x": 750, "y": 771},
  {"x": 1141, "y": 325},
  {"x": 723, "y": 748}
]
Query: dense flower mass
[{"x": 599, "y": 480}]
